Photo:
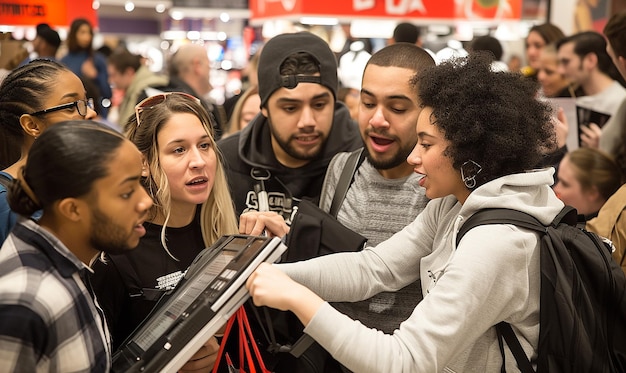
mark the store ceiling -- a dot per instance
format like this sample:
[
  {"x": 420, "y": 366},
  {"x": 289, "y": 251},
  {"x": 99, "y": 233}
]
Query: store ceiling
[{"x": 145, "y": 9}]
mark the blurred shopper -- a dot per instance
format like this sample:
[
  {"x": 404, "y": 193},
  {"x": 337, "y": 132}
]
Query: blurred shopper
[
  {"x": 611, "y": 220},
  {"x": 46, "y": 43},
  {"x": 246, "y": 108},
  {"x": 538, "y": 37},
  {"x": 85, "y": 62},
  {"x": 128, "y": 73},
  {"x": 583, "y": 59},
  {"x": 190, "y": 72},
  {"x": 587, "y": 178}
]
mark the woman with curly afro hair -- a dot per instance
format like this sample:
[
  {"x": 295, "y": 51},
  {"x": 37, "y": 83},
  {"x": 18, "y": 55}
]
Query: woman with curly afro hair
[{"x": 480, "y": 133}]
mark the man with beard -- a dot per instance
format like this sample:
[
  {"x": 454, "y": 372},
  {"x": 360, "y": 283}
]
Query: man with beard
[
  {"x": 86, "y": 179},
  {"x": 285, "y": 150},
  {"x": 384, "y": 195},
  {"x": 283, "y": 154},
  {"x": 584, "y": 61}
]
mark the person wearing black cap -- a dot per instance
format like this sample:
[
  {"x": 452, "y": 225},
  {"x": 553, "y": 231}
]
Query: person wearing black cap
[
  {"x": 286, "y": 149},
  {"x": 283, "y": 154},
  {"x": 46, "y": 43}
]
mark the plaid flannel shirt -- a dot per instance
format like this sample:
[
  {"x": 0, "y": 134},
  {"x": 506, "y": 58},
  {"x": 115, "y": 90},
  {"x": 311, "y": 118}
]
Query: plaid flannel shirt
[{"x": 49, "y": 321}]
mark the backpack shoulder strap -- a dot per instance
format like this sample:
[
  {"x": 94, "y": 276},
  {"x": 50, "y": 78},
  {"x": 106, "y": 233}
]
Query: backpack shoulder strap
[
  {"x": 501, "y": 216},
  {"x": 345, "y": 180},
  {"x": 520, "y": 219},
  {"x": 504, "y": 329}
]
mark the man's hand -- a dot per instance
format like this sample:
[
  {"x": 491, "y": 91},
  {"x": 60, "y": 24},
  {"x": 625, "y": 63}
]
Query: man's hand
[
  {"x": 590, "y": 136},
  {"x": 255, "y": 223}
]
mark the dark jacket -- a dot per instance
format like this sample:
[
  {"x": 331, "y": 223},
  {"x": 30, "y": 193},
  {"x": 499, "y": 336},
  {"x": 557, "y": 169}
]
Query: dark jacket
[{"x": 251, "y": 150}]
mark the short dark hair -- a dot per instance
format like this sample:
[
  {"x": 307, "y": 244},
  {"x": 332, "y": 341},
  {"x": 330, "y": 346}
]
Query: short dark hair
[
  {"x": 406, "y": 32},
  {"x": 64, "y": 162},
  {"x": 587, "y": 42},
  {"x": 489, "y": 44},
  {"x": 615, "y": 32},
  {"x": 300, "y": 63},
  {"x": 23, "y": 91},
  {"x": 123, "y": 59},
  {"x": 492, "y": 118},
  {"x": 403, "y": 55}
]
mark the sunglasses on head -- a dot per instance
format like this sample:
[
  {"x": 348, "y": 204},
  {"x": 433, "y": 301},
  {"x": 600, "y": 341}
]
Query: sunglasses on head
[{"x": 152, "y": 101}]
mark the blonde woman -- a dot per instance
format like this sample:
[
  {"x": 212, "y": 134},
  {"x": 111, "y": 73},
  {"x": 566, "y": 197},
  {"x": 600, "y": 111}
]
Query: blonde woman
[
  {"x": 182, "y": 171},
  {"x": 246, "y": 108}
]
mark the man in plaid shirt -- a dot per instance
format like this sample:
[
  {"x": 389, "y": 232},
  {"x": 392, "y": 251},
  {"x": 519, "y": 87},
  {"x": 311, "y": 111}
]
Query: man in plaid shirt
[{"x": 86, "y": 178}]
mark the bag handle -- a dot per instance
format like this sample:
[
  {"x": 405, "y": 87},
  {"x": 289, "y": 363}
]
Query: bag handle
[{"x": 245, "y": 340}]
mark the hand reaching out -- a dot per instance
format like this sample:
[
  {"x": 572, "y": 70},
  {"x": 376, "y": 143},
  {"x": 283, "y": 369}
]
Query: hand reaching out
[
  {"x": 269, "y": 286},
  {"x": 254, "y": 223}
]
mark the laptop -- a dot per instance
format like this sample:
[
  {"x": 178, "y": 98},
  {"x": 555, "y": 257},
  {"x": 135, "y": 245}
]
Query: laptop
[{"x": 212, "y": 289}]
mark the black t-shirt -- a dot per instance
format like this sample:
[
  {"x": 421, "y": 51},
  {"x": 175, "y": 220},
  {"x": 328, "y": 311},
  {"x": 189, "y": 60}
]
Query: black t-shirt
[{"x": 128, "y": 286}]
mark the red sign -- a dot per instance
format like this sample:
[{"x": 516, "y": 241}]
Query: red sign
[
  {"x": 56, "y": 13},
  {"x": 388, "y": 9}
]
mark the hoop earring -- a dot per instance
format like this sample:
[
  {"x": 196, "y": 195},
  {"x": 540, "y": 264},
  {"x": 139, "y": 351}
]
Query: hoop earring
[{"x": 469, "y": 170}]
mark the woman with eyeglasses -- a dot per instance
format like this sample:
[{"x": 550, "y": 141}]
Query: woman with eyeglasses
[
  {"x": 193, "y": 208},
  {"x": 33, "y": 97}
]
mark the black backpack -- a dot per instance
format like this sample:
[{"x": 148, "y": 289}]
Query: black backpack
[{"x": 582, "y": 314}]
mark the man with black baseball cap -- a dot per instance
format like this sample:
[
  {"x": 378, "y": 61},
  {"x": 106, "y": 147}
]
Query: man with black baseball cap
[
  {"x": 281, "y": 157},
  {"x": 46, "y": 43},
  {"x": 286, "y": 148}
]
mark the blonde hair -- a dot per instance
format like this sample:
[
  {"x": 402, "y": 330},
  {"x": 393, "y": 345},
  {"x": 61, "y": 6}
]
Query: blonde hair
[
  {"x": 234, "y": 124},
  {"x": 217, "y": 215}
]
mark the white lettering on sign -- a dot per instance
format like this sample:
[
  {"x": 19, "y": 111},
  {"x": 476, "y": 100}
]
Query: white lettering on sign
[{"x": 392, "y": 7}]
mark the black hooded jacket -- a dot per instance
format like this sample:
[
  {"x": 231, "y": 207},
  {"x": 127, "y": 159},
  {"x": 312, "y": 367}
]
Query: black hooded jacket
[{"x": 249, "y": 151}]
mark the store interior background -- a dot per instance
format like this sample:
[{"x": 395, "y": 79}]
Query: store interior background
[{"x": 231, "y": 33}]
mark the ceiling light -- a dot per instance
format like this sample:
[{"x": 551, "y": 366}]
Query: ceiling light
[
  {"x": 95, "y": 5},
  {"x": 129, "y": 6},
  {"x": 224, "y": 17},
  {"x": 177, "y": 15},
  {"x": 160, "y": 8}
]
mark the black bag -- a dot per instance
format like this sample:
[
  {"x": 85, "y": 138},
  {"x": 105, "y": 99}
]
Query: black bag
[
  {"x": 582, "y": 313},
  {"x": 315, "y": 233}
]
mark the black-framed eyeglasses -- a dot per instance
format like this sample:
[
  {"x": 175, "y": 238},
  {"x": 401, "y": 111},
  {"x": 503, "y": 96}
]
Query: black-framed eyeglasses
[
  {"x": 152, "y": 101},
  {"x": 81, "y": 107}
]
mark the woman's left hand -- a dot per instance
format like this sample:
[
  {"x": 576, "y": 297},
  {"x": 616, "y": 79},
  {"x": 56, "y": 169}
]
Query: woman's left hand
[{"x": 255, "y": 223}]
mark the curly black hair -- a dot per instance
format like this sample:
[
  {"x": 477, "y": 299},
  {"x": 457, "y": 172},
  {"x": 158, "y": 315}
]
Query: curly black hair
[{"x": 492, "y": 118}]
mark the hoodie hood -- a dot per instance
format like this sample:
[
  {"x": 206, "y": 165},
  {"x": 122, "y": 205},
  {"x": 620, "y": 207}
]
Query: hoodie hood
[
  {"x": 255, "y": 146},
  {"x": 529, "y": 192}
]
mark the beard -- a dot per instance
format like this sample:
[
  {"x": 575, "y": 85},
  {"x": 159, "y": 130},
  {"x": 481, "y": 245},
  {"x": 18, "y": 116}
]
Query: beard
[
  {"x": 291, "y": 149},
  {"x": 107, "y": 236},
  {"x": 397, "y": 159}
]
